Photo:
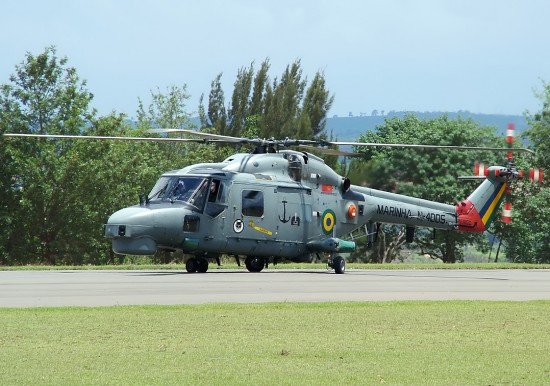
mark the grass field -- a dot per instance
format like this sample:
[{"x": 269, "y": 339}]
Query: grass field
[{"x": 439, "y": 343}]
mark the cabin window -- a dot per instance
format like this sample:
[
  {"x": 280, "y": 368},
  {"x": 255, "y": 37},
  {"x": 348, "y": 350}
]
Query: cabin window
[
  {"x": 253, "y": 203},
  {"x": 294, "y": 168}
]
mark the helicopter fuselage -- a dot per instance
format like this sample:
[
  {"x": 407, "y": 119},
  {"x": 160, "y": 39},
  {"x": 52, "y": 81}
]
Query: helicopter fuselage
[{"x": 285, "y": 205}]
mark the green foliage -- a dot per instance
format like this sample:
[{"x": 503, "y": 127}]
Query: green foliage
[
  {"x": 539, "y": 129},
  {"x": 166, "y": 110},
  {"x": 429, "y": 174},
  {"x": 280, "y": 107},
  {"x": 240, "y": 101},
  {"x": 261, "y": 80},
  {"x": 282, "y": 113},
  {"x": 217, "y": 115},
  {"x": 44, "y": 96},
  {"x": 527, "y": 238},
  {"x": 317, "y": 103}
]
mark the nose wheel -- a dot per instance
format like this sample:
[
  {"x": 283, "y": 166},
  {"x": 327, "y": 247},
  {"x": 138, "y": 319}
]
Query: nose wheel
[{"x": 337, "y": 263}]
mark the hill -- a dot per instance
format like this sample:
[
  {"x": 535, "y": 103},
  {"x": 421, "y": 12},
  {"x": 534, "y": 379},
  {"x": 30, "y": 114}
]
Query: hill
[{"x": 350, "y": 128}]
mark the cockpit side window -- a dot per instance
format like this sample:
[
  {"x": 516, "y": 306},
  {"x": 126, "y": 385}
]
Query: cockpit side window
[
  {"x": 294, "y": 168},
  {"x": 214, "y": 190}
]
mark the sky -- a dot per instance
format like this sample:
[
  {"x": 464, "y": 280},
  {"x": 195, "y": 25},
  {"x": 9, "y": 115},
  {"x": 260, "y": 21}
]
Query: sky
[{"x": 487, "y": 56}]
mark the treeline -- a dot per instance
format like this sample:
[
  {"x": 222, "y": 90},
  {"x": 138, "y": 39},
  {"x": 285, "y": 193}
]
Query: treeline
[{"x": 57, "y": 194}]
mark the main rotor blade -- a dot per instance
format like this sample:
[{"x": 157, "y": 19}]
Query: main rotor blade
[
  {"x": 216, "y": 138},
  {"x": 403, "y": 145},
  {"x": 225, "y": 138},
  {"x": 109, "y": 138},
  {"x": 328, "y": 151}
]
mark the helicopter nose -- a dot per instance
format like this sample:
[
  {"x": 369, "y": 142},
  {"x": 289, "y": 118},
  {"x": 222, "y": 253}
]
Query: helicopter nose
[{"x": 130, "y": 230}]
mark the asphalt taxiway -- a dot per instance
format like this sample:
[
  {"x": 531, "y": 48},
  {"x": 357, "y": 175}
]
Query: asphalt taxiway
[{"x": 109, "y": 288}]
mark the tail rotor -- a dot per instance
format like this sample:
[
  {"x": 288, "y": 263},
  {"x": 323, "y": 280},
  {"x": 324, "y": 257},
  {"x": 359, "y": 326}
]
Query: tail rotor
[
  {"x": 508, "y": 173},
  {"x": 507, "y": 207}
]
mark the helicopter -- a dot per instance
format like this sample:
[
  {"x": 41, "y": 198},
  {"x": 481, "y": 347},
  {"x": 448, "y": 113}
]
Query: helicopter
[{"x": 279, "y": 204}]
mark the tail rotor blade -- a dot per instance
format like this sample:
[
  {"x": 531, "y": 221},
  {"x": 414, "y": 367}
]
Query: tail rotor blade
[
  {"x": 480, "y": 169},
  {"x": 510, "y": 134},
  {"x": 507, "y": 213},
  {"x": 507, "y": 208},
  {"x": 536, "y": 174}
]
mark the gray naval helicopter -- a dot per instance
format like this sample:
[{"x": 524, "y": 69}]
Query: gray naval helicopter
[{"x": 275, "y": 204}]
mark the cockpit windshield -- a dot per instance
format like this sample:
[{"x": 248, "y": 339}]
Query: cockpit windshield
[{"x": 192, "y": 190}]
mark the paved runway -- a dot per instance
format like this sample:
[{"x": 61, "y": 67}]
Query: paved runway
[{"x": 108, "y": 288}]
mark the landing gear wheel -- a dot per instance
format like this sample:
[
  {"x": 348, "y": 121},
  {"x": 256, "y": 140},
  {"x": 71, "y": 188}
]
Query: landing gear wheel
[
  {"x": 202, "y": 265},
  {"x": 254, "y": 264},
  {"x": 192, "y": 265},
  {"x": 339, "y": 264}
]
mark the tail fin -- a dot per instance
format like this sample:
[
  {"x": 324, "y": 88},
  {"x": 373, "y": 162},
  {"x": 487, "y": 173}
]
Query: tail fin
[{"x": 476, "y": 213}]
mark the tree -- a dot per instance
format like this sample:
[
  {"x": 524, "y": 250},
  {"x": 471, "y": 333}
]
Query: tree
[
  {"x": 433, "y": 176},
  {"x": 539, "y": 128},
  {"x": 102, "y": 179},
  {"x": 281, "y": 117},
  {"x": 527, "y": 237},
  {"x": 240, "y": 101},
  {"x": 279, "y": 106},
  {"x": 217, "y": 115},
  {"x": 317, "y": 103},
  {"x": 43, "y": 96},
  {"x": 166, "y": 110},
  {"x": 261, "y": 80}
]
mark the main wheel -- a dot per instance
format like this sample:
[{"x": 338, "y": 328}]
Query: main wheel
[
  {"x": 202, "y": 265},
  {"x": 339, "y": 264},
  {"x": 192, "y": 265},
  {"x": 254, "y": 264}
]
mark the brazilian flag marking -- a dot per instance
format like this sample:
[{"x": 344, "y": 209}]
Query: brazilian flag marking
[{"x": 329, "y": 220}]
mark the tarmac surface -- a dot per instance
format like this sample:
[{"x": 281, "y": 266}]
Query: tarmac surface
[{"x": 110, "y": 288}]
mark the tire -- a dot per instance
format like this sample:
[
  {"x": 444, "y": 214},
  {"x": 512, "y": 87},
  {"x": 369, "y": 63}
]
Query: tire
[
  {"x": 192, "y": 265},
  {"x": 339, "y": 264},
  {"x": 254, "y": 264},
  {"x": 202, "y": 265}
]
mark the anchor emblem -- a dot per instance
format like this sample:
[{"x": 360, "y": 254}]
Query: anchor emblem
[{"x": 284, "y": 220}]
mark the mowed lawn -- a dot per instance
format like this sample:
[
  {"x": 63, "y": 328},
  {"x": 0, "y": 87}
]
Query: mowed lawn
[{"x": 451, "y": 342}]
